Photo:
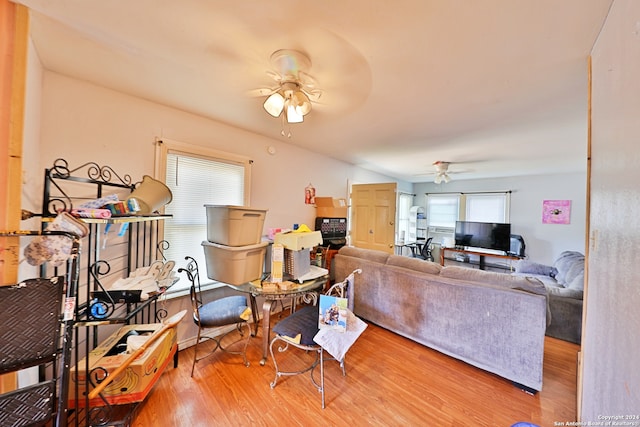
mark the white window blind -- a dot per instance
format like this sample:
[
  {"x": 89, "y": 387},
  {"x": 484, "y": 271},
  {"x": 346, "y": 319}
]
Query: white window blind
[
  {"x": 442, "y": 210},
  {"x": 196, "y": 180},
  {"x": 487, "y": 207}
]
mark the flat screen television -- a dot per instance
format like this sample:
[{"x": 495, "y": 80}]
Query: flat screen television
[{"x": 484, "y": 235}]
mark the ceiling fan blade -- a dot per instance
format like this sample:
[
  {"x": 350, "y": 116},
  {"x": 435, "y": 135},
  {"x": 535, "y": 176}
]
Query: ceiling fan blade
[
  {"x": 274, "y": 75},
  {"x": 314, "y": 95},
  {"x": 262, "y": 92},
  {"x": 307, "y": 80}
]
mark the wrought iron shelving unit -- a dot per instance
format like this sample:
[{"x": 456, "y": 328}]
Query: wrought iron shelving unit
[{"x": 102, "y": 257}]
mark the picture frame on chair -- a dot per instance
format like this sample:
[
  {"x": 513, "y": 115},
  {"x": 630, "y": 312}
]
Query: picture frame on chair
[{"x": 332, "y": 313}]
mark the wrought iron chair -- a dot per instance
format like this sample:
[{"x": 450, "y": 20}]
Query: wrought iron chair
[
  {"x": 223, "y": 312},
  {"x": 299, "y": 329}
]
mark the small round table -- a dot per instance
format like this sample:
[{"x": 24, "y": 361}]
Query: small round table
[{"x": 308, "y": 291}]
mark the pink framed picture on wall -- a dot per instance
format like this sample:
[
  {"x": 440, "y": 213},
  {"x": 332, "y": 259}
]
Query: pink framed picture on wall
[{"x": 556, "y": 211}]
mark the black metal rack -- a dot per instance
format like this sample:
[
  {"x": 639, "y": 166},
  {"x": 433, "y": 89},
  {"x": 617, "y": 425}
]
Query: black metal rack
[{"x": 106, "y": 254}]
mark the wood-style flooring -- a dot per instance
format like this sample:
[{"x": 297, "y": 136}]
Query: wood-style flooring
[{"x": 390, "y": 381}]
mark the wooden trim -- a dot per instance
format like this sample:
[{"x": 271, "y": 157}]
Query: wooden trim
[
  {"x": 7, "y": 22},
  {"x": 590, "y": 239},
  {"x": 14, "y": 34},
  {"x": 14, "y": 20}
]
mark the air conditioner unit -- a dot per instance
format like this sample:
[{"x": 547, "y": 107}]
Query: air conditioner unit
[{"x": 441, "y": 230}]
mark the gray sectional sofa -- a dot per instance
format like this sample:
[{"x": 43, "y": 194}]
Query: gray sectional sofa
[{"x": 490, "y": 320}]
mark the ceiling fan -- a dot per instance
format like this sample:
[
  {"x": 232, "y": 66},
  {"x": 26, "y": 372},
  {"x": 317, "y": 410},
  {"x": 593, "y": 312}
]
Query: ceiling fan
[
  {"x": 442, "y": 169},
  {"x": 295, "y": 89},
  {"x": 442, "y": 173}
]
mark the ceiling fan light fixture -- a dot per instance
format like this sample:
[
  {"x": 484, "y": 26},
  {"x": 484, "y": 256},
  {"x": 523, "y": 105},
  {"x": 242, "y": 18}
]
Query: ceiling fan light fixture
[
  {"x": 301, "y": 102},
  {"x": 274, "y": 104},
  {"x": 291, "y": 99},
  {"x": 442, "y": 176},
  {"x": 293, "y": 116}
]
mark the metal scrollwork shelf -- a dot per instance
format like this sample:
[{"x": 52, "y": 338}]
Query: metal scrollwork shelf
[{"x": 114, "y": 248}]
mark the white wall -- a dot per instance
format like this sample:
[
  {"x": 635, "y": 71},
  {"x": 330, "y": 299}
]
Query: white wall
[
  {"x": 611, "y": 342},
  {"x": 82, "y": 122},
  {"x": 544, "y": 242},
  {"x": 32, "y": 175}
]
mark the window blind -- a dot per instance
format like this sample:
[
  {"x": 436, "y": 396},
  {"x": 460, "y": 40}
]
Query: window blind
[
  {"x": 195, "y": 181},
  {"x": 442, "y": 210},
  {"x": 490, "y": 207}
]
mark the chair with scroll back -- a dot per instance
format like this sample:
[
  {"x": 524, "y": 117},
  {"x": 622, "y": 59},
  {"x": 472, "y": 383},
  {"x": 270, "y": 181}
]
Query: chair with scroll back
[
  {"x": 223, "y": 312},
  {"x": 300, "y": 328}
]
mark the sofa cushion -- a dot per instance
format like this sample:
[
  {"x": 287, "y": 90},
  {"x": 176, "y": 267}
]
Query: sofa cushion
[
  {"x": 368, "y": 254},
  {"x": 531, "y": 267},
  {"x": 569, "y": 265},
  {"x": 416, "y": 264},
  {"x": 521, "y": 283},
  {"x": 578, "y": 282},
  {"x": 524, "y": 283}
]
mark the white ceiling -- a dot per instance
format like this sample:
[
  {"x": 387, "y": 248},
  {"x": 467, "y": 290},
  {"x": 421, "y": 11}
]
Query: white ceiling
[{"x": 498, "y": 87}]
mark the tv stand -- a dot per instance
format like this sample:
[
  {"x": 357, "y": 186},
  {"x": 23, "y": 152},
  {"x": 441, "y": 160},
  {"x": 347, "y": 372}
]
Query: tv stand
[{"x": 479, "y": 253}]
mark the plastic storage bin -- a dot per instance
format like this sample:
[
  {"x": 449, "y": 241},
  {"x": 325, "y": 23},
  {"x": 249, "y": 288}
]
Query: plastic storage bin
[
  {"x": 234, "y": 265},
  {"x": 234, "y": 225}
]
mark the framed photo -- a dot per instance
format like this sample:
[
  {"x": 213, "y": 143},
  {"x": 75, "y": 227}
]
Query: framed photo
[
  {"x": 556, "y": 211},
  {"x": 333, "y": 313}
]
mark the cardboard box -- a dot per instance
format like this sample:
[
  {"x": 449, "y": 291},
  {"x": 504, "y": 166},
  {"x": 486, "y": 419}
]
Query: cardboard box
[
  {"x": 298, "y": 241},
  {"x": 277, "y": 263},
  {"x": 328, "y": 207},
  {"x": 134, "y": 384}
]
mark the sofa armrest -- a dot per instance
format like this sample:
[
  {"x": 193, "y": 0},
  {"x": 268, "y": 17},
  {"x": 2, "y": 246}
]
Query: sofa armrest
[{"x": 530, "y": 267}]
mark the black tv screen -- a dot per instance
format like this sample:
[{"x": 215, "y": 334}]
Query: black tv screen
[{"x": 486, "y": 235}]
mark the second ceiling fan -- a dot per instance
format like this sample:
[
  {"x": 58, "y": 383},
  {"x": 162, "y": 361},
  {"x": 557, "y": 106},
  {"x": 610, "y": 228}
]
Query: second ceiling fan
[{"x": 442, "y": 172}]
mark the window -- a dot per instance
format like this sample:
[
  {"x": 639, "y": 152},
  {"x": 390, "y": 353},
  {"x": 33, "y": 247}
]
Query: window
[
  {"x": 442, "y": 210},
  {"x": 487, "y": 207},
  {"x": 197, "y": 177},
  {"x": 404, "y": 205}
]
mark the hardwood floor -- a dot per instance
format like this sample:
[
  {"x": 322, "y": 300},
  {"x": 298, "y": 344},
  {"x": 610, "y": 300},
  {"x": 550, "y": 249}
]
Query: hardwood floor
[{"x": 390, "y": 381}]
